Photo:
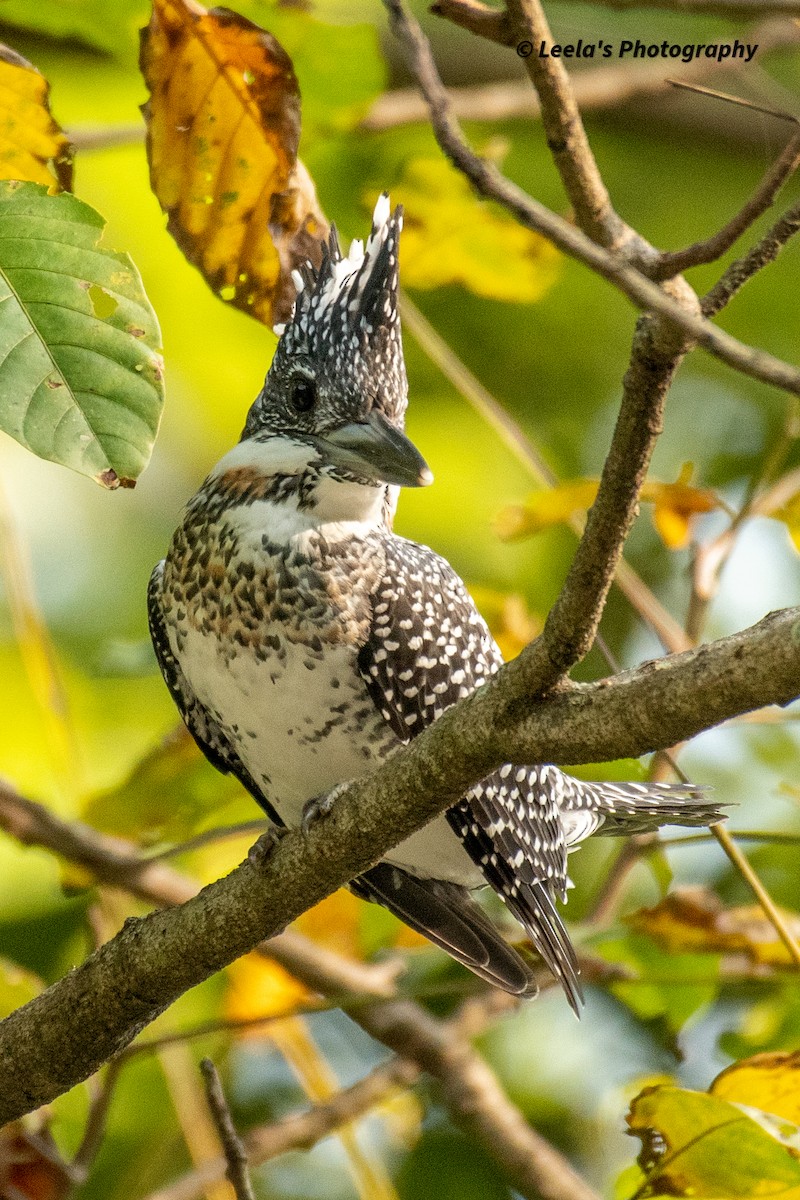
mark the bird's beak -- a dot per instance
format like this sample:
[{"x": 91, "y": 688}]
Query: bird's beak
[{"x": 376, "y": 449}]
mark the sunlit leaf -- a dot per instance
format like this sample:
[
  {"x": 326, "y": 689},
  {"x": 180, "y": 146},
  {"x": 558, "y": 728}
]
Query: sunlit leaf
[
  {"x": 258, "y": 987},
  {"x": 80, "y": 375},
  {"x": 789, "y": 515},
  {"x": 551, "y": 506},
  {"x": 340, "y": 66},
  {"x": 223, "y": 124},
  {"x": 32, "y": 145},
  {"x": 698, "y": 1145},
  {"x": 674, "y": 506},
  {"x": 507, "y": 615},
  {"x": 767, "y": 1081},
  {"x": 450, "y": 236},
  {"x": 694, "y": 919},
  {"x": 166, "y": 795}
]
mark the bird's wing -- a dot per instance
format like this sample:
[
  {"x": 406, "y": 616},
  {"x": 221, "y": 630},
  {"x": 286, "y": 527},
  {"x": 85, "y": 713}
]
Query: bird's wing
[
  {"x": 201, "y": 725},
  {"x": 447, "y": 915},
  {"x": 429, "y": 647}
]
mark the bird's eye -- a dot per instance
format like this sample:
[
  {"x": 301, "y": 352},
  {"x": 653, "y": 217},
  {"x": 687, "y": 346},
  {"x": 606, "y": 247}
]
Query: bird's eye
[{"x": 303, "y": 395}]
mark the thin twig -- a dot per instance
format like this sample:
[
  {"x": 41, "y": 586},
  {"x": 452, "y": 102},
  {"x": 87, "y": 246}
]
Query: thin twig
[
  {"x": 491, "y": 23},
  {"x": 773, "y": 914},
  {"x": 303, "y": 1130},
  {"x": 674, "y": 262},
  {"x": 95, "y": 1128},
  {"x": 743, "y": 269},
  {"x": 237, "y": 1172}
]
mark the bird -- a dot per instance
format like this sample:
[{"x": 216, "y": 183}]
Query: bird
[{"x": 304, "y": 642}]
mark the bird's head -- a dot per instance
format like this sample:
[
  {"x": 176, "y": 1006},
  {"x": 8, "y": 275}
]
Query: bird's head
[{"x": 335, "y": 396}]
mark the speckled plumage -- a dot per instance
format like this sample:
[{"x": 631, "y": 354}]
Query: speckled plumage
[{"x": 304, "y": 642}]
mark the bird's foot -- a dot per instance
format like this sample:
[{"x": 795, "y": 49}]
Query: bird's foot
[
  {"x": 261, "y": 851},
  {"x": 319, "y": 807}
]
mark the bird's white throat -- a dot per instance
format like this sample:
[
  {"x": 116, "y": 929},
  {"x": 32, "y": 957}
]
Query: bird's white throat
[{"x": 334, "y": 508}]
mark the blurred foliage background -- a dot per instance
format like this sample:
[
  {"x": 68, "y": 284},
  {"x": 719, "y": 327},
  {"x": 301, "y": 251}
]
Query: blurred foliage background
[{"x": 83, "y": 711}]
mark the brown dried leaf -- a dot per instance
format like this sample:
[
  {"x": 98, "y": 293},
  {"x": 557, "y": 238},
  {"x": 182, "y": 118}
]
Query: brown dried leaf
[
  {"x": 31, "y": 1167},
  {"x": 694, "y": 919},
  {"x": 33, "y": 147},
  {"x": 223, "y": 125}
]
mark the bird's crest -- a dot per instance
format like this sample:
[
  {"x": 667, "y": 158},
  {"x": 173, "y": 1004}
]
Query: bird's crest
[{"x": 346, "y": 314}]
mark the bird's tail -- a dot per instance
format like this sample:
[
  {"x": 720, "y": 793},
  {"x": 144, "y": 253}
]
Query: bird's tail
[{"x": 616, "y": 809}]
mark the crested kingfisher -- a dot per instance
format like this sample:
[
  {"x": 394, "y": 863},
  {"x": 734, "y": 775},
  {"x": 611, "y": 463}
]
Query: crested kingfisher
[{"x": 303, "y": 641}]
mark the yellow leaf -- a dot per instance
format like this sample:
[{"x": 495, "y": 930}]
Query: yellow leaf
[
  {"x": 701, "y": 1146},
  {"x": 507, "y": 616},
  {"x": 223, "y": 125},
  {"x": 450, "y": 236},
  {"x": 694, "y": 919},
  {"x": 770, "y": 1082},
  {"x": 551, "y": 506},
  {"x": 674, "y": 506},
  {"x": 33, "y": 147},
  {"x": 257, "y": 988},
  {"x": 790, "y": 516}
]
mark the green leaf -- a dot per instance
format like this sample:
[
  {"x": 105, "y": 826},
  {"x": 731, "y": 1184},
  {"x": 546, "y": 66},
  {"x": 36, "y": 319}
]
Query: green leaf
[
  {"x": 137, "y": 809},
  {"x": 80, "y": 375},
  {"x": 672, "y": 989},
  {"x": 701, "y": 1146},
  {"x": 86, "y": 21}
]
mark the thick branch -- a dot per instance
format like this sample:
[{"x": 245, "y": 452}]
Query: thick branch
[
  {"x": 66, "y": 1033},
  {"x": 395, "y": 1024}
]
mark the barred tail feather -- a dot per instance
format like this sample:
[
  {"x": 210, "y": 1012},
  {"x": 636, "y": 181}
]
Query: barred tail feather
[{"x": 618, "y": 809}]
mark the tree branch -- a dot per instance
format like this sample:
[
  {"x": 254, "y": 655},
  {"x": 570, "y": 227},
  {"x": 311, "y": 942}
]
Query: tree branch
[
  {"x": 300, "y": 1131},
  {"x": 761, "y": 255},
  {"x": 643, "y": 600},
  {"x": 492, "y": 23},
  {"x": 566, "y": 135},
  {"x": 66, "y": 1033},
  {"x": 492, "y": 184},
  {"x": 484, "y": 1112},
  {"x": 236, "y": 1163},
  {"x": 673, "y": 262}
]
